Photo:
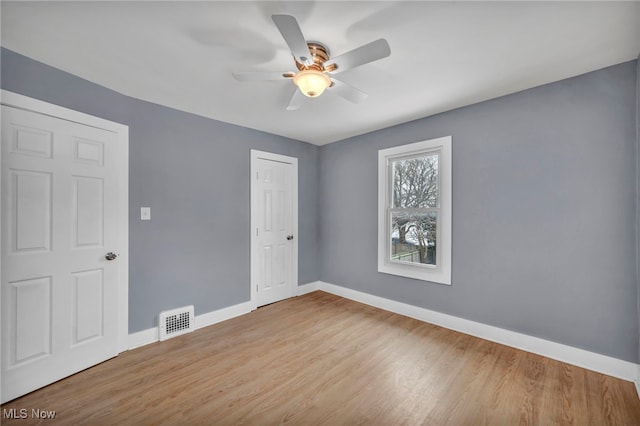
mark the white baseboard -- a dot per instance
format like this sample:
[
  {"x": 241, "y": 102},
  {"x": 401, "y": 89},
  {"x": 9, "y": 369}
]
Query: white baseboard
[
  {"x": 152, "y": 335},
  {"x": 590, "y": 360},
  {"x": 308, "y": 288},
  {"x": 638, "y": 382},
  {"x": 144, "y": 337},
  {"x": 223, "y": 314}
]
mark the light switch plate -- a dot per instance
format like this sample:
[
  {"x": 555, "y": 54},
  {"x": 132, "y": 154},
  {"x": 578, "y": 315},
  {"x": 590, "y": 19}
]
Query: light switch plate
[{"x": 145, "y": 213}]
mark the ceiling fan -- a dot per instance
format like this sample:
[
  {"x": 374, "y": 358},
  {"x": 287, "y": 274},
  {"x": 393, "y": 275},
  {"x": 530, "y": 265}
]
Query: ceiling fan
[{"x": 316, "y": 69}]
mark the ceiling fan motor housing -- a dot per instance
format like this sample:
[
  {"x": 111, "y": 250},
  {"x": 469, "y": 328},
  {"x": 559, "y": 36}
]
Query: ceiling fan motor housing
[{"x": 320, "y": 54}]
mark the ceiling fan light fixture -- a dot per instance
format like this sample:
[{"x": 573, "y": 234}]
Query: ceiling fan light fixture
[{"x": 311, "y": 82}]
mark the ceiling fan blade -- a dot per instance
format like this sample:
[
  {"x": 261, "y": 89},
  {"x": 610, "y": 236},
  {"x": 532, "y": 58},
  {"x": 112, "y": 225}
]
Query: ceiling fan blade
[
  {"x": 347, "y": 91},
  {"x": 296, "y": 101},
  {"x": 364, "y": 54},
  {"x": 261, "y": 75},
  {"x": 292, "y": 34}
]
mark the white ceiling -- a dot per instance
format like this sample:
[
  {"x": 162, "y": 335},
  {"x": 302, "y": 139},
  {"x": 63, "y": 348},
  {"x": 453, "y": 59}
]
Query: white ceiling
[{"x": 444, "y": 55}]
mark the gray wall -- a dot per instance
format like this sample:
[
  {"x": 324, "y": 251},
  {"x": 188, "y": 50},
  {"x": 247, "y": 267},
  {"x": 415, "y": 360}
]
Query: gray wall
[
  {"x": 194, "y": 174},
  {"x": 543, "y": 211},
  {"x": 544, "y": 200}
]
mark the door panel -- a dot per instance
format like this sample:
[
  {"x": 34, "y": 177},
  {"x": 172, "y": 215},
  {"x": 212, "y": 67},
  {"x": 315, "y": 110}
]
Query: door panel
[
  {"x": 274, "y": 181},
  {"x": 30, "y": 208},
  {"x": 87, "y": 208},
  {"x": 30, "y": 141},
  {"x": 32, "y": 327},
  {"x": 59, "y": 219},
  {"x": 88, "y": 287}
]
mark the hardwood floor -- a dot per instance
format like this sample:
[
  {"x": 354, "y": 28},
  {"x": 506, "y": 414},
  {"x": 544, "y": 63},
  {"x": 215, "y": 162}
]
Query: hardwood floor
[{"x": 322, "y": 359}]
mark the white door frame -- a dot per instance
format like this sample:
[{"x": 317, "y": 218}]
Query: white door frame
[
  {"x": 255, "y": 220},
  {"x": 121, "y": 131}
]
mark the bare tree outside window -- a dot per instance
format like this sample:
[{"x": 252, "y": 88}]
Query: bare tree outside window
[{"x": 414, "y": 216}]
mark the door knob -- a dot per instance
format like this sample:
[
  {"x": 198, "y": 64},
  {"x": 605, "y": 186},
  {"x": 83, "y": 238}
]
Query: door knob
[
  {"x": 110, "y": 256},
  {"x": 290, "y": 237}
]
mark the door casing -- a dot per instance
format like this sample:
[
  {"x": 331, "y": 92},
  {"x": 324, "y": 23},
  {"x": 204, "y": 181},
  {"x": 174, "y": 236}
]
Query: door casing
[{"x": 255, "y": 220}]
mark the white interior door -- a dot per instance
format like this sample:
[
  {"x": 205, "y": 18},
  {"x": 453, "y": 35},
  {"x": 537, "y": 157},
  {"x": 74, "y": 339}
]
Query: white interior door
[
  {"x": 274, "y": 261},
  {"x": 59, "y": 220}
]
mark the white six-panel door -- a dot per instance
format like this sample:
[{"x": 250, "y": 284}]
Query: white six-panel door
[
  {"x": 59, "y": 220},
  {"x": 274, "y": 271}
]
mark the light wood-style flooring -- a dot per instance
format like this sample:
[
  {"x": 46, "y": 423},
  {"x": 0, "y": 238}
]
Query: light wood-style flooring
[{"x": 322, "y": 359}]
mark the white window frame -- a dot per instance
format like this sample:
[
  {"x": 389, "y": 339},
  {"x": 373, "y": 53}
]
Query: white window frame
[{"x": 441, "y": 272}]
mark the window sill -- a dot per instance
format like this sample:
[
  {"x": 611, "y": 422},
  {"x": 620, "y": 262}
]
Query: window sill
[{"x": 433, "y": 275}]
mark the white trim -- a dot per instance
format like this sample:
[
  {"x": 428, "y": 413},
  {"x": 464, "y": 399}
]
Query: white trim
[
  {"x": 152, "y": 335},
  {"x": 308, "y": 288},
  {"x": 223, "y": 314},
  {"x": 144, "y": 337},
  {"x": 255, "y": 220},
  {"x": 41, "y": 107},
  {"x": 442, "y": 272},
  {"x": 638, "y": 381},
  {"x": 121, "y": 131},
  {"x": 590, "y": 360}
]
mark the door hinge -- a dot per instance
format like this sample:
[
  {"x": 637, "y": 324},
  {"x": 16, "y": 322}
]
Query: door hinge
[{"x": 257, "y": 231}]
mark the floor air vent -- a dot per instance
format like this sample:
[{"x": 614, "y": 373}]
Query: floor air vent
[{"x": 176, "y": 322}]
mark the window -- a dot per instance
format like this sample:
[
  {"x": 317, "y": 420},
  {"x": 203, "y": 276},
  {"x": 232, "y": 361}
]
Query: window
[{"x": 414, "y": 210}]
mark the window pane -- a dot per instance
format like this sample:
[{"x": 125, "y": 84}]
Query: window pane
[
  {"x": 413, "y": 237},
  {"x": 415, "y": 182}
]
